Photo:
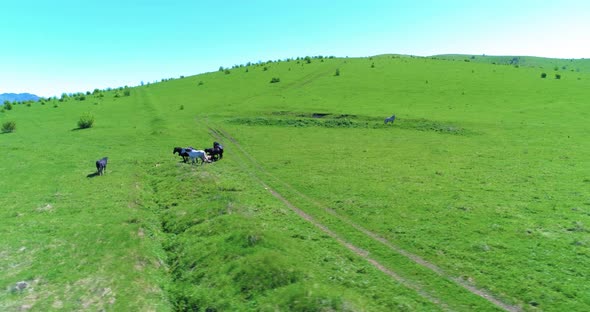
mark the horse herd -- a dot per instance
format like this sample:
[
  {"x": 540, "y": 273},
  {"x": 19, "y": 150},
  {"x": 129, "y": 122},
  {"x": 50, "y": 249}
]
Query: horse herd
[
  {"x": 207, "y": 155},
  {"x": 194, "y": 155}
]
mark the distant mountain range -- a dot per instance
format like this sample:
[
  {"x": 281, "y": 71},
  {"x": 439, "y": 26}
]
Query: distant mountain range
[{"x": 20, "y": 97}]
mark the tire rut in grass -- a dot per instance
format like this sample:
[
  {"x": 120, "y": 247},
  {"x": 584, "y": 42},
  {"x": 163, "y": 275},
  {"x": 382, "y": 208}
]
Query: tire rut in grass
[
  {"x": 357, "y": 250},
  {"x": 220, "y": 133}
]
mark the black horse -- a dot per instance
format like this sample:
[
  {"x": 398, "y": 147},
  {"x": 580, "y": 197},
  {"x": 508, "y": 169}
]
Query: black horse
[
  {"x": 101, "y": 165},
  {"x": 181, "y": 152},
  {"x": 216, "y": 153}
]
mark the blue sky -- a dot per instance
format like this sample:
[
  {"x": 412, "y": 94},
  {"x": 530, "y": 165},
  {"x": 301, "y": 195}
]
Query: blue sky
[{"x": 51, "y": 47}]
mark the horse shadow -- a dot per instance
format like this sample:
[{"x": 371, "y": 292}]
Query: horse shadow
[{"x": 92, "y": 175}]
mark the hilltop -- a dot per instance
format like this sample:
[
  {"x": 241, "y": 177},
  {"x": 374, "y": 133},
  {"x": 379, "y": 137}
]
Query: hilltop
[{"x": 474, "y": 199}]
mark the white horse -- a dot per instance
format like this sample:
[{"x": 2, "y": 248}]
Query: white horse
[
  {"x": 390, "y": 119},
  {"x": 194, "y": 154}
]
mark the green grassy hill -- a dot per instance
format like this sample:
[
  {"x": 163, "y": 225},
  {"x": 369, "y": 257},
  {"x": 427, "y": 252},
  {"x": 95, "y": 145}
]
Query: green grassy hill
[{"x": 477, "y": 198}]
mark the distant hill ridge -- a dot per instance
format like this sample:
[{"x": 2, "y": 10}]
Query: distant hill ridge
[
  {"x": 17, "y": 97},
  {"x": 557, "y": 64}
]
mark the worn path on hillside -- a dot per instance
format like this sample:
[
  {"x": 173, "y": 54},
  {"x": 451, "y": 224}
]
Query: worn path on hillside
[{"x": 220, "y": 134}]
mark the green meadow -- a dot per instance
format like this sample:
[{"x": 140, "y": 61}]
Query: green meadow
[{"x": 477, "y": 197}]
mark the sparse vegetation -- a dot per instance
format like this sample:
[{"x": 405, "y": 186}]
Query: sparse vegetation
[{"x": 275, "y": 80}]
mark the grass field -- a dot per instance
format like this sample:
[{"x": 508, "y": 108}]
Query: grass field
[{"x": 477, "y": 198}]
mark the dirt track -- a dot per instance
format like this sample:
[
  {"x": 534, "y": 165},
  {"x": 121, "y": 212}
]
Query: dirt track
[{"x": 222, "y": 135}]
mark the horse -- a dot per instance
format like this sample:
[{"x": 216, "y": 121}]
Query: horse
[
  {"x": 182, "y": 152},
  {"x": 101, "y": 165},
  {"x": 193, "y": 154},
  {"x": 220, "y": 147},
  {"x": 216, "y": 152},
  {"x": 390, "y": 119}
]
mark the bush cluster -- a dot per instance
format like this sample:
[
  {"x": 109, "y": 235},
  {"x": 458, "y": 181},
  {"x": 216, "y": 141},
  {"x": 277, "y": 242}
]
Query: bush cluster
[
  {"x": 8, "y": 127},
  {"x": 86, "y": 121}
]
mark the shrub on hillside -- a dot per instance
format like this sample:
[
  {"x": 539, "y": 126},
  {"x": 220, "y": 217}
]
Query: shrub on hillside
[
  {"x": 337, "y": 72},
  {"x": 7, "y": 105},
  {"x": 543, "y": 75},
  {"x": 275, "y": 80},
  {"x": 86, "y": 121},
  {"x": 8, "y": 127},
  {"x": 557, "y": 76},
  {"x": 127, "y": 92},
  {"x": 64, "y": 97}
]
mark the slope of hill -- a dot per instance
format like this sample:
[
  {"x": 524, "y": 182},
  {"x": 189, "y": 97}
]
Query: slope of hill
[
  {"x": 548, "y": 64},
  {"x": 474, "y": 199},
  {"x": 17, "y": 97}
]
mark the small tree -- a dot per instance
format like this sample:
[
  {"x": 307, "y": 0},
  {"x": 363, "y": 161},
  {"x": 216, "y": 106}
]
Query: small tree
[
  {"x": 8, "y": 127},
  {"x": 543, "y": 75},
  {"x": 337, "y": 72},
  {"x": 7, "y": 105},
  {"x": 64, "y": 97},
  {"x": 557, "y": 76},
  {"x": 86, "y": 121}
]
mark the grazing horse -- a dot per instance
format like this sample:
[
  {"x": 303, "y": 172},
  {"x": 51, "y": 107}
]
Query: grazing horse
[
  {"x": 194, "y": 154},
  {"x": 216, "y": 152},
  {"x": 101, "y": 165},
  {"x": 390, "y": 119},
  {"x": 220, "y": 147},
  {"x": 182, "y": 152}
]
